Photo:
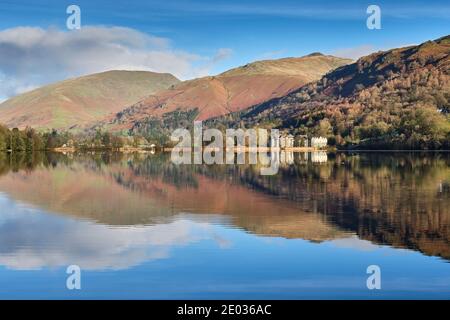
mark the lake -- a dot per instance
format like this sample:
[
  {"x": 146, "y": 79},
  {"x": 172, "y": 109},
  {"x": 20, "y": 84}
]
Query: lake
[{"x": 139, "y": 226}]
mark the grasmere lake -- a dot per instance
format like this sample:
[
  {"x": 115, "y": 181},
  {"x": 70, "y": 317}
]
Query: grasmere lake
[{"x": 142, "y": 227}]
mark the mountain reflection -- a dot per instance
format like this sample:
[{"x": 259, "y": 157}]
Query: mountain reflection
[
  {"x": 30, "y": 239},
  {"x": 401, "y": 200}
]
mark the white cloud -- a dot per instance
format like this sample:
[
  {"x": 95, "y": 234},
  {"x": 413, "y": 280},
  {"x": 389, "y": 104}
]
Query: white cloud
[
  {"x": 222, "y": 54},
  {"x": 209, "y": 63},
  {"x": 31, "y": 239},
  {"x": 354, "y": 242},
  {"x": 363, "y": 50},
  {"x": 275, "y": 54},
  {"x": 33, "y": 56},
  {"x": 354, "y": 52}
]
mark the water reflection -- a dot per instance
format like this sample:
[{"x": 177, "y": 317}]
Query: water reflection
[
  {"x": 117, "y": 211},
  {"x": 32, "y": 239}
]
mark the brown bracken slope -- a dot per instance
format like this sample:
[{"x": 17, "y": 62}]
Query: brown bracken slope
[
  {"x": 399, "y": 98},
  {"x": 231, "y": 91},
  {"x": 74, "y": 103}
]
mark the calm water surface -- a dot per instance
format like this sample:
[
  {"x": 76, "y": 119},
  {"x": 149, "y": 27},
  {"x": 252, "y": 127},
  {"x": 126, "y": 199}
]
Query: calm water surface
[{"x": 142, "y": 227}]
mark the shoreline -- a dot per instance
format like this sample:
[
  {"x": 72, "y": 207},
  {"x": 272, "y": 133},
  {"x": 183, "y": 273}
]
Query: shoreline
[
  {"x": 235, "y": 149},
  {"x": 244, "y": 149}
]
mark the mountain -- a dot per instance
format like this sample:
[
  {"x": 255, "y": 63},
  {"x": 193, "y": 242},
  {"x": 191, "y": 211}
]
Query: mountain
[
  {"x": 393, "y": 99},
  {"x": 77, "y": 102},
  {"x": 228, "y": 92}
]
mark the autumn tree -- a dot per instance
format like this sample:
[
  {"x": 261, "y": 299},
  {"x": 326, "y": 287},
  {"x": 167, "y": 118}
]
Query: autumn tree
[{"x": 17, "y": 142}]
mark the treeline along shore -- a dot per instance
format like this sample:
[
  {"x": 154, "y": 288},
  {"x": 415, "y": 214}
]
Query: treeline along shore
[{"x": 31, "y": 140}]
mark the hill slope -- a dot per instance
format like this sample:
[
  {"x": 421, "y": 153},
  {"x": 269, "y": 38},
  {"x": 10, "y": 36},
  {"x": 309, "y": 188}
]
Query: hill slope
[
  {"x": 229, "y": 92},
  {"x": 398, "y": 99},
  {"x": 77, "y": 102}
]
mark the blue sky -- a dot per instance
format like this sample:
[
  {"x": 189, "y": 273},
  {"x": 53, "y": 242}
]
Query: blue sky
[{"x": 212, "y": 36}]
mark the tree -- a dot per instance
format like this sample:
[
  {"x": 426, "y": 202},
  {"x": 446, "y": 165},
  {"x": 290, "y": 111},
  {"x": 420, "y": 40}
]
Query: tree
[
  {"x": 325, "y": 128},
  {"x": 38, "y": 143},
  {"x": 29, "y": 142},
  {"x": 117, "y": 142},
  {"x": 424, "y": 126},
  {"x": 4, "y": 138},
  {"x": 52, "y": 140},
  {"x": 136, "y": 141},
  {"x": 17, "y": 141},
  {"x": 33, "y": 140},
  {"x": 106, "y": 139}
]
